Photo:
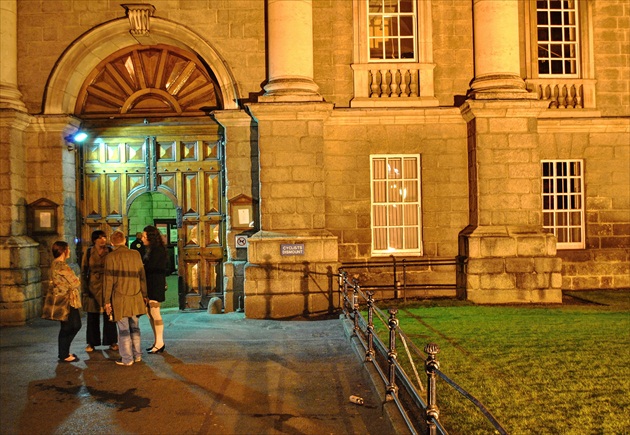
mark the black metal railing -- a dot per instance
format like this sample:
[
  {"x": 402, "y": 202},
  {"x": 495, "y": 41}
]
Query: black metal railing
[
  {"x": 400, "y": 388},
  {"x": 402, "y": 276}
]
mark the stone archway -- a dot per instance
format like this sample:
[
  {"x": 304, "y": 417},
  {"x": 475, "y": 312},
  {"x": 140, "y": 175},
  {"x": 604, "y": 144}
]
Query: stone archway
[{"x": 85, "y": 53}]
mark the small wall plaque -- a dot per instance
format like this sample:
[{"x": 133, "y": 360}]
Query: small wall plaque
[
  {"x": 43, "y": 216},
  {"x": 292, "y": 249},
  {"x": 241, "y": 212}
]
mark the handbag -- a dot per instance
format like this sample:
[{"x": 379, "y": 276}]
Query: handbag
[{"x": 56, "y": 306}]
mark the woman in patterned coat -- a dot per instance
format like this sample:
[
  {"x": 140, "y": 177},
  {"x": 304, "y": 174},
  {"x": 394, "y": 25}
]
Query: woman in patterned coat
[{"x": 65, "y": 281}]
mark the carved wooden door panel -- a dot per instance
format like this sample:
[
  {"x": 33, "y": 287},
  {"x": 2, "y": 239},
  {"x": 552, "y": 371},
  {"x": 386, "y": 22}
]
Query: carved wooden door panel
[{"x": 188, "y": 169}]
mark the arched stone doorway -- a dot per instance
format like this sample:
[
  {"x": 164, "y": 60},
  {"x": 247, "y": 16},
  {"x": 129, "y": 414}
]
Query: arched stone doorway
[{"x": 145, "y": 107}]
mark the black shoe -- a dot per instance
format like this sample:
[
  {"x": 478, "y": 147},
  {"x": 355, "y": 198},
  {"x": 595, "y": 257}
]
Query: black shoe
[
  {"x": 149, "y": 348},
  {"x": 156, "y": 350}
]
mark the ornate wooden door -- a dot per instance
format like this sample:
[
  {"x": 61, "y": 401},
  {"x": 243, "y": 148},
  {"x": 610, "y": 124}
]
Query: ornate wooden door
[{"x": 183, "y": 162}]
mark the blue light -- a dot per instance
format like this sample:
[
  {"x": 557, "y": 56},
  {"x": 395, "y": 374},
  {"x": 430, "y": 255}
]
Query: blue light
[{"x": 80, "y": 137}]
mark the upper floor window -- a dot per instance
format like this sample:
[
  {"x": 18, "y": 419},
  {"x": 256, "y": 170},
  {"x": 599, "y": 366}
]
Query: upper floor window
[
  {"x": 563, "y": 201},
  {"x": 557, "y": 30},
  {"x": 559, "y": 55},
  {"x": 393, "y": 56},
  {"x": 395, "y": 183},
  {"x": 392, "y": 30}
]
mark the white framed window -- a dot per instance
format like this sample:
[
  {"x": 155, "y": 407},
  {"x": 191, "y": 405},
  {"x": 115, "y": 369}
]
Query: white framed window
[
  {"x": 393, "y": 54},
  {"x": 559, "y": 58},
  {"x": 396, "y": 204},
  {"x": 557, "y": 34},
  {"x": 563, "y": 201},
  {"x": 392, "y": 30}
]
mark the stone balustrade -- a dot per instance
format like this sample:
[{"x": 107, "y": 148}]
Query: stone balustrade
[
  {"x": 564, "y": 93},
  {"x": 393, "y": 84}
]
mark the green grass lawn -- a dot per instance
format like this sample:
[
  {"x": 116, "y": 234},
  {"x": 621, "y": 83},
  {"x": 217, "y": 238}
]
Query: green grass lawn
[{"x": 561, "y": 369}]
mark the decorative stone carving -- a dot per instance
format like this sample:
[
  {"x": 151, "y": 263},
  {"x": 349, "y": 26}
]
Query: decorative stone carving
[{"x": 139, "y": 15}]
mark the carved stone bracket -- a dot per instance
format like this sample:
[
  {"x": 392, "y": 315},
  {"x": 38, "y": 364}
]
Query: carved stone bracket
[{"x": 139, "y": 15}]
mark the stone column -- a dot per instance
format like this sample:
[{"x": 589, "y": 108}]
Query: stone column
[
  {"x": 20, "y": 279},
  {"x": 290, "y": 52},
  {"x": 497, "y": 70},
  {"x": 10, "y": 96}
]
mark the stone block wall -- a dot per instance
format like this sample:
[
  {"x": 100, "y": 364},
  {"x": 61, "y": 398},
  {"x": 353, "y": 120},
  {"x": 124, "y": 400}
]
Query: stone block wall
[
  {"x": 603, "y": 146},
  {"x": 285, "y": 286},
  {"x": 45, "y": 29},
  {"x": 437, "y": 135},
  {"x": 20, "y": 275},
  {"x": 603, "y": 269},
  {"x": 611, "y": 53},
  {"x": 509, "y": 265}
]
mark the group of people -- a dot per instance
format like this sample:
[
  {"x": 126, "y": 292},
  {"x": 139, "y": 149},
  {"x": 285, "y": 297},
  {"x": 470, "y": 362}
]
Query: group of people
[{"x": 117, "y": 284}]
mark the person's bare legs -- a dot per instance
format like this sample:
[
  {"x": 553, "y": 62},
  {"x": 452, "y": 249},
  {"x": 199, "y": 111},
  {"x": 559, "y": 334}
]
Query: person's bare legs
[{"x": 157, "y": 324}]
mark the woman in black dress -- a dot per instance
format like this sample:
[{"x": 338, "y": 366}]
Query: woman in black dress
[{"x": 155, "y": 265}]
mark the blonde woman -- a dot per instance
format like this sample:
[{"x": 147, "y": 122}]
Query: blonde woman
[{"x": 64, "y": 280}]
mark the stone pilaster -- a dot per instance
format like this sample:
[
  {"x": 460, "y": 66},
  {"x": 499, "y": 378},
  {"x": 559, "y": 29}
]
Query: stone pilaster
[
  {"x": 20, "y": 278},
  {"x": 290, "y": 52},
  {"x": 292, "y": 212},
  {"x": 506, "y": 257},
  {"x": 241, "y": 168}
]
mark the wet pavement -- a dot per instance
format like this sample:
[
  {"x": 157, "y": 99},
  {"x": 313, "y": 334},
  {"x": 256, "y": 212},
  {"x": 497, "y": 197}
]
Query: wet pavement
[{"x": 220, "y": 374}]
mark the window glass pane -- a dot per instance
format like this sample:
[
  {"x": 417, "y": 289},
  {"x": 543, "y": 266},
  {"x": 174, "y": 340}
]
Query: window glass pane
[
  {"x": 557, "y": 22},
  {"x": 392, "y": 29},
  {"x": 563, "y": 202},
  {"x": 406, "y": 6},
  {"x": 396, "y": 214}
]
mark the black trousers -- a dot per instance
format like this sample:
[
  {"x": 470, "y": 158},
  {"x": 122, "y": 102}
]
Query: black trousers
[
  {"x": 68, "y": 331},
  {"x": 93, "y": 332}
]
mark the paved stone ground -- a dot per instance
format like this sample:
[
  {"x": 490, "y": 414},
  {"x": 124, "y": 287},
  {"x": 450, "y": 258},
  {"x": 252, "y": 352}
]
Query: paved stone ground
[{"x": 220, "y": 374}]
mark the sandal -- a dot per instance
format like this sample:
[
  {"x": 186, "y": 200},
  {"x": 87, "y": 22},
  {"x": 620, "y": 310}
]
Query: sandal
[
  {"x": 74, "y": 359},
  {"x": 89, "y": 348}
]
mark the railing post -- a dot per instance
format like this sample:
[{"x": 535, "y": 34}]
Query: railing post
[
  {"x": 404, "y": 281},
  {"x": 355, "y": 306},
  {"x": 430, "y": 365},
  {"x": 343, "y": 288},
  {"x": 369, "y": 353},
  {"x": 392, "y": 389},
  {"x": 396, "y": 282}
]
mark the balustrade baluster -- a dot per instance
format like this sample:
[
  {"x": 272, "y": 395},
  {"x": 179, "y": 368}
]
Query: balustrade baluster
[
  {"x": 555, "y": 92},
  {"x": 404, "y": 84},
  {"x": 375, "y": 86},
  {"x": 562, "y": 96},
  {"x": 384, "y": 83},
  {"x": 571, "y": 96},
  {"x": 413, "y": 83},
  {"x": 395, "y": 83}
]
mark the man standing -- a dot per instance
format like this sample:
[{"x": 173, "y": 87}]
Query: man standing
[
  {"x": 125, "y": 295},
  {"x": 137, "y": 244},
  {"x": 92, "y": 294}
]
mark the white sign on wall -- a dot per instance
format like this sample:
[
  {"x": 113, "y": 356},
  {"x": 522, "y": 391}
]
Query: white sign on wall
[{"x": 241, "y": 241}]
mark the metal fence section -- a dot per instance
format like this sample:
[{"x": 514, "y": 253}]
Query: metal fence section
[
  {"x": 402, "y": 278},
  {"x": 407, "y": 392}
]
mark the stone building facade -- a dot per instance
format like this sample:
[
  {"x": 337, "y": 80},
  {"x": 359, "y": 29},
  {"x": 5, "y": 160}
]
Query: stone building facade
[{"x": 491, "y": 132}]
